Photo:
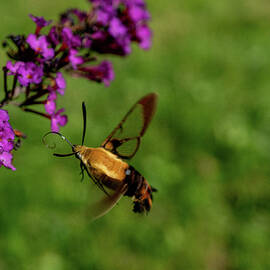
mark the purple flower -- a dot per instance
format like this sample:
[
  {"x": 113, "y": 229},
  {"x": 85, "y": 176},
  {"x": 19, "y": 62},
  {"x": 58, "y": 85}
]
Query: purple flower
[
  {"x": 6, "y": 136},
  {"x": 101, "y": 73},
  {"x": 3, "y": 116},
  {"x": 99, "y": 35},
  {"x": 39, "y": 21},
  {"x": 40, "y": 45},
  {"x": 53, "y": 36},
  {"x": 144, "y": 35},
  {"x": 71, "y": 40},
  {"x": 58, "y": 120},
  {"x": 118, "y": 23},
  {"x": 74, "y": 59},
  {"x": 60, "y": 83},
  {"x": 135, "y": 18},
  {"x": 27, "y": 72},
  {"x": 124, "y": 44},
  {"x": 30, "y": 73},
  {"x": 6, "y": 159},
  {"x": 6, "y": 145},
  {"x": 6, "y": 131},
  {"x": 14, "y": 68},
  {"x": 117, "y": 29},
  {"x": 119, "y": 32},
  {"x": 6, "y": 140},
  {"x": 103, "y": 17},
  {"x": 105, "y": 13},
  {"x": 102, "y": 42},
  {"x": 137, "y": 11},
  {"x": 50, "y": 105}
]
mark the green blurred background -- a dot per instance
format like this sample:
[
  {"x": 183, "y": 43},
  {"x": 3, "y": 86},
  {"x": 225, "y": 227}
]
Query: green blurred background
[{"x": 206, "y": 151}]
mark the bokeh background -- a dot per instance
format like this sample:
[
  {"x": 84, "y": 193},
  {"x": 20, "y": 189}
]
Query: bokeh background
[{"x": 207, "y": 150}]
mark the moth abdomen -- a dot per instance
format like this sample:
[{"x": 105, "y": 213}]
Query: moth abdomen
[{"x": 139, "y": 189}]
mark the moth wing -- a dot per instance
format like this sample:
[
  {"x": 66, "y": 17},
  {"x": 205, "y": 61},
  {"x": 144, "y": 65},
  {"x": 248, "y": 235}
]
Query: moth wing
[
  {"x": 124, "y": 140},
  {"x": 103, "y": 206}
]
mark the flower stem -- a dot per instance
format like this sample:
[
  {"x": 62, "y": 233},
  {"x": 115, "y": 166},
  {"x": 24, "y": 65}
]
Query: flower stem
[
  {"x": 14, "y": 86},
  {"x": 5, "y": 82},
  {"x": 31, "y": 100},
  {"x": 36, "y": 112}
]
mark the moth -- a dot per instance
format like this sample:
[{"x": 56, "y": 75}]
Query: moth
[{"x": 107, "y": 165}]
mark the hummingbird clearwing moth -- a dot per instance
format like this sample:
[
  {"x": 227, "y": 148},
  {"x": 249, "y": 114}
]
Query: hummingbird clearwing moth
[{"x": 106, "y": 165}]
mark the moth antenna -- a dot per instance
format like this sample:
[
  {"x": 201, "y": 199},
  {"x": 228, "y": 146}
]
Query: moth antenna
[
  {"x": 84, "y": 122},
  {"x": 54, "y": 145}
]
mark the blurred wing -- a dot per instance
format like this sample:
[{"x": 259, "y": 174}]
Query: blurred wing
[
  {"x": 124, "y": 140},
  {"x": 102, "y": 207}
]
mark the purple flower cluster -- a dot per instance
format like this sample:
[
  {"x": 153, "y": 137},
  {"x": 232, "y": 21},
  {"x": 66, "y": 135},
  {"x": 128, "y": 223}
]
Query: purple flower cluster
[
  {"x": 118, "y": 23},
  {"x": 72, "y": 45},
  {"x": 109, "y": 28},
  {"x": 36, "y": 70},
  {"x": 6, "y": 140},
  {"x": 101, "y": 73},
  {"x": 27, "y": 72},
  {"x": 40, "y": 45}
]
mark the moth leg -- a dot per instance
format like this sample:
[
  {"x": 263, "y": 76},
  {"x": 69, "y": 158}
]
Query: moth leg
[
  {"x": 82, "y": 170},
  {"x": 97, "y": 182}
]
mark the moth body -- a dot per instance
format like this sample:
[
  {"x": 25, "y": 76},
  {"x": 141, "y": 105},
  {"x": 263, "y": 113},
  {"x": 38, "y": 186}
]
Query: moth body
[
  {"x": 103, "y": 166},
  {"x": 112, "y": 172}
]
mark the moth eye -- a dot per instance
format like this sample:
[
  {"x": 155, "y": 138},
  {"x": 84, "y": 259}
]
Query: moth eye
[{"x": 128, "y": 172}]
